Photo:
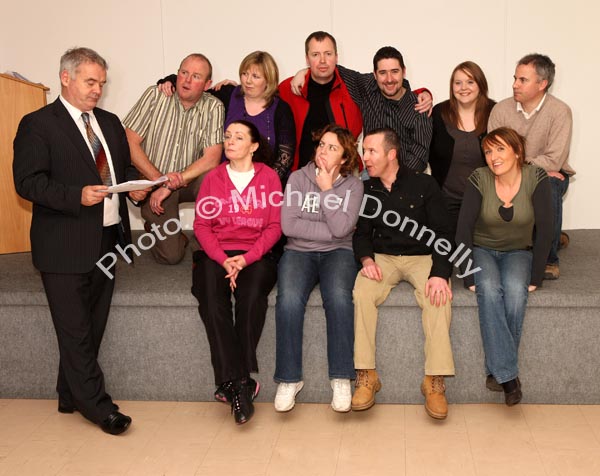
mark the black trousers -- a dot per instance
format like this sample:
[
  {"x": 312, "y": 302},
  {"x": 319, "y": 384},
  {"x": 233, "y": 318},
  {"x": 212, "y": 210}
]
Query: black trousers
[
  {"x": 79, "y": 304},
  {"x": 233, "y": 340}
]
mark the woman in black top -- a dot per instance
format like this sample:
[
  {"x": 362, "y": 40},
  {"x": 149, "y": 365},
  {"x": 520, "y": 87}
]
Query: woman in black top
[{"x": 459, "y": 124}]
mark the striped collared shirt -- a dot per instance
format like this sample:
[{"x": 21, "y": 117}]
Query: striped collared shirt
[
  {"x": 413, "y": 129},
  {"x": 173, "y": 137}
]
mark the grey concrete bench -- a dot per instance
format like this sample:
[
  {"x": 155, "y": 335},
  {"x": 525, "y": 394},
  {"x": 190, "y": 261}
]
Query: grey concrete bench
[{"x": 155, "y": 346}]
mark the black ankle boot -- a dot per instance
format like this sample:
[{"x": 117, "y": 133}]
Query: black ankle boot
[
  {"x": 512, "y": 392},
  {"x": 241, "y": 402},
  {"x": 224, "y": 392}
]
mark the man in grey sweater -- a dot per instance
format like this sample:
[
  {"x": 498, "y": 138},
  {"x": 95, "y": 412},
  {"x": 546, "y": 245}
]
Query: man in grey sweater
[{"x": 546, "y": 123}]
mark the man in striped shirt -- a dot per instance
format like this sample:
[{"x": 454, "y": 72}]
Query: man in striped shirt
[
  {"x": 385, "y": 100},
  {"x": 180, "y": 136}
]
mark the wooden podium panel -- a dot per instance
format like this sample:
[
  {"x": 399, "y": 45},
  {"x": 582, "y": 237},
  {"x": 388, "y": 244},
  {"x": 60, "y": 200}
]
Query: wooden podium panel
[{"x": 17, "y": 98}]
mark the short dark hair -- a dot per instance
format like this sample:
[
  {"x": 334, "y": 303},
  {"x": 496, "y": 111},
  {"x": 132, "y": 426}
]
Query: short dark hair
[
  {"x": 390, "y": 139},
  {"x": 387, "y": 52},
  {"x": 264, "y": 153},
  {"x": 544, "y": 67},
  {"x": 511, "y": 138},
  {"x": 74, "y": 57},
  {"x": 201, "y": 57},
  {"x": 319, "y": 36}
]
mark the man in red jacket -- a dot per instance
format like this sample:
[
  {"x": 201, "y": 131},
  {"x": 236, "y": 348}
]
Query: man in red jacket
[{"x": 324, "y": 98}]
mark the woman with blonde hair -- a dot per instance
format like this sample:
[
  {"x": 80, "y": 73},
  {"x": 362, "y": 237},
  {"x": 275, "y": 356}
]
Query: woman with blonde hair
[{"x": 257, "y": 100}]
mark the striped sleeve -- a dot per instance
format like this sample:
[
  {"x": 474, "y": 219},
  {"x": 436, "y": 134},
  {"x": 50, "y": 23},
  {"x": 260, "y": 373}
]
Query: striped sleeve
[
  {"x": 418, "y": 151},
  {"x": 138, "y": 119},
  {"x": 214, "y": 122}
]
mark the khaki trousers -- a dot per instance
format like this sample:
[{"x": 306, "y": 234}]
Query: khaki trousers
[
  {"x": 369, "y": 294},
  {"x": 171, "y": 249}
]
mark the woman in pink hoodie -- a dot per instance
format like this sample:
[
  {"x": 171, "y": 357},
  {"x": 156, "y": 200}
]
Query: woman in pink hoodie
[{"x": 237, "y": 223}]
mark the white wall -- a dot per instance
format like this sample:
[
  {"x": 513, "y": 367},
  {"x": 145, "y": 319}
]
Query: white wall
[{"x": 144, "y": 40}]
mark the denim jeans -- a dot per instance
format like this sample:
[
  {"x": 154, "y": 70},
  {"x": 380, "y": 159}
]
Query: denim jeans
[
  {"x": 559, "y": 188},
  {"x": 299, "y": 272},
  {"x": 501, "y": 288}
]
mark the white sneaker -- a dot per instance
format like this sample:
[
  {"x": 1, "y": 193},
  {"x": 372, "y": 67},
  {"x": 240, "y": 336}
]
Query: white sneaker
[
  {"x": 342, "y": 394},
  {"x": 285, "y": 399}
]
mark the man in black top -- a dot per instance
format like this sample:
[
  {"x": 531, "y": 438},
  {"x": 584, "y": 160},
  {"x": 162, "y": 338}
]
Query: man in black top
[{"x": 402, "y": 234}]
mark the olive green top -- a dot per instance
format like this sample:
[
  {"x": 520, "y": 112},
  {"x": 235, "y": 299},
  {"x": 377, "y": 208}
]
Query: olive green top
[{"x": 491, "y": 230}]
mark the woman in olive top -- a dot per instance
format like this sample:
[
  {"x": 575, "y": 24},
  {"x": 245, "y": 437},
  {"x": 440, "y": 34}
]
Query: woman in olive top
[{"x": 502, "y": 204}]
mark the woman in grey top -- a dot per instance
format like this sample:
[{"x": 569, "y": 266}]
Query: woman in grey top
[{"x": 319, "y": 213}]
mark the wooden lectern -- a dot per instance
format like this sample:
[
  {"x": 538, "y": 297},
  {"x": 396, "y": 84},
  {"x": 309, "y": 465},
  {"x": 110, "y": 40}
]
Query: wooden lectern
[{"x": 17, "y": 98}]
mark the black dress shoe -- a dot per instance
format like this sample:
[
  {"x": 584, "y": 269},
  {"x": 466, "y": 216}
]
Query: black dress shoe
[
  {"x": 224, "y": 392},
  {"x": 512, "y": 392},
  {"x": 68, "y": 408},
  {"x": 241, "y": 403},
  {"x": 253, "y": 387},
  {"x": 115, "y": 423},
  {"x": 64, "y": 407}
]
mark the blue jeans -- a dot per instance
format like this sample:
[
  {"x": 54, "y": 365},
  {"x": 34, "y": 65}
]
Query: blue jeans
[
  {"x": 501, "y": 288},
  {"x": 559, "y": 188},
  {"x": 299, "y": 272}
]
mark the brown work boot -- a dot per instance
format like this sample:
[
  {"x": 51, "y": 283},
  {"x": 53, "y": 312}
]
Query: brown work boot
[
  {"x": 551, "y": 272},
  {"x": 564, "y": 240},
  {"x": 434, "y": 390},
  {"x": 367, "y": 384}
]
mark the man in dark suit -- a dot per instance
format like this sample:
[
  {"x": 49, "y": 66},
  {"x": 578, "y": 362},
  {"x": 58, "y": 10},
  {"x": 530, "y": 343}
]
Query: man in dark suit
[{"x": 65, "y": 156}]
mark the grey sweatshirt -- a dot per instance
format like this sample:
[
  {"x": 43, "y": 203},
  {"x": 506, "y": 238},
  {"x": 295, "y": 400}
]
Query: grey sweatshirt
[{"x": 320, "y": 221}]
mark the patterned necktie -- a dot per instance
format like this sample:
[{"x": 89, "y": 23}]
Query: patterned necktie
[{"x": 98, "y": 151}]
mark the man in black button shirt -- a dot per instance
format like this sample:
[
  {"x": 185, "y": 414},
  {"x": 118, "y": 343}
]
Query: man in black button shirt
[{"x": 402, "y": 235}]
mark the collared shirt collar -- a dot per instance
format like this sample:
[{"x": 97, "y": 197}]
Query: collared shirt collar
[
  {"x": 528, "y": 115},
  {"x": 197, "y": 104},
  {"x": 72, "y": 110}
]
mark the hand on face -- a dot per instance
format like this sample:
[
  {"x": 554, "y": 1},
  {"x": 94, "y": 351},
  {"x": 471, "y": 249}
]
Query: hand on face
[
  {"x": 325, "y": 177},
  {"x": 329, "y": 157}
]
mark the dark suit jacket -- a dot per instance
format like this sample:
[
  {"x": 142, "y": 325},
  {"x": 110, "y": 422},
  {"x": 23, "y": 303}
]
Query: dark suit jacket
[{"x": 52, "y": 164}]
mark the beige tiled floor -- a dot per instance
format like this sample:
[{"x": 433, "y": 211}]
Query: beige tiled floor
[{"x": 180, "y": 439}]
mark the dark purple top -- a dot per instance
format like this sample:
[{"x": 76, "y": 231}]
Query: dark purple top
[{"x": 264, "y": 121}]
